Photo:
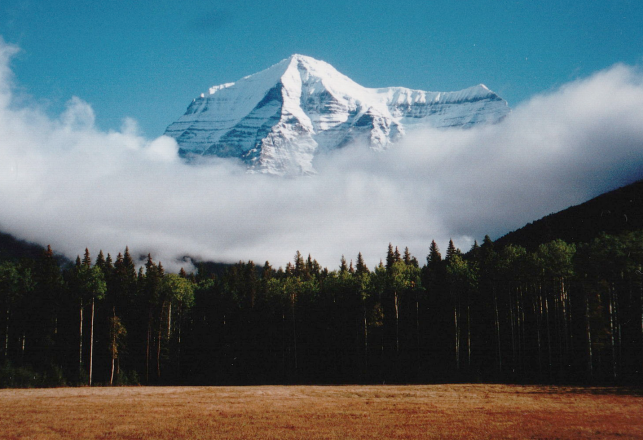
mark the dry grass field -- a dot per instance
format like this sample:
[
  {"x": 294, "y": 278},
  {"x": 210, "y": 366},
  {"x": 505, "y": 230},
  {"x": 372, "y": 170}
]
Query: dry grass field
[{"x": 321, "y": 412}]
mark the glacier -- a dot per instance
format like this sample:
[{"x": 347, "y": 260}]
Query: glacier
[{"x": 277, "y": 120}]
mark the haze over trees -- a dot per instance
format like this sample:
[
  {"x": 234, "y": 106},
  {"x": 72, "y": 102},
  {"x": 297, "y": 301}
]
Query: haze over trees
[{"x": 563, "y": 312}]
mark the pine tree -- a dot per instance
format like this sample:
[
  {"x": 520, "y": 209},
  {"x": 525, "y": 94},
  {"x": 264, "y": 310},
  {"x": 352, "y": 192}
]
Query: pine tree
[
  {"x": 150, "y": 283},
  {"x": 434, "y": 258},
  {"x": 407, "y": 256},
  {"x": 45, "y": 307},
  {"x": 299, "y": 264},
  {"x": 10, "y": 293},
  {"x": 451, "y": 251},
  {"x": 488, "y": 262},
  {"x": 87, "y": 260},
  {"x": 267, "y": 271},
  {"x": 343, "y": 268},
  {"x": 360, "y": 266},
  {"x": 312, "y": 267},
  {"x": 128, "y": 264},
  {"x": 390, "y": 257},
  {"x": 77, "y": 287},
  {"x": 475, "y": 250},
  {"x": 100, "y": 260},
  {"x": 92, "y": 286}
]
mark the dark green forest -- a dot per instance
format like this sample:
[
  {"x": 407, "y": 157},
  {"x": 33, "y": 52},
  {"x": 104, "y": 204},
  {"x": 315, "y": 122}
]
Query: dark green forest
[
  {"x": 613, "y": 212},
  {"x": 561, "y": 313}
]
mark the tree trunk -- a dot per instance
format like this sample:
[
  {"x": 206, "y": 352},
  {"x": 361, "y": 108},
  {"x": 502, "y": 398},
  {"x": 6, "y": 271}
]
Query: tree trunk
[
  {"x": 457, "y": 338},
  {"x": 538, "y": 312},
  {"x": 640, "y": 273},
  {"x": 178, "y": 344},
  {"x": 91, "y": 344},
  {"x": 495, "y": 302},
  {"x": 169, "y": 320},
  {"x": 6, "y": 334},
  {"x": 294, "y": 330},
  {"x": 24, "y": 343},
  {"x": 469, "y": 333},
  {"x": 158, "y": 342},
  {"x": 617, "y": 323},
  {"x": 147, "y": 347},
  {"x": 541, "y": 313},
  {"x": 548, "y": 333},
  {"x": 397, "y": 324},
  {"x": 284, "y": 340},
  {"x": 80, "y": 344},
  {"x": 417, "y": 331},
  {"x": 612, "y": 331},
  {"x": 169, "y": 331},
  {"x": 512, "y": 320},
  {"x": 158, "y": 354},
  {"x": 566, "y": 331},
  {"x": 365, "y": 343},
  {"x": 113, "y": 345},
  {"x": 590, "y": 361}
]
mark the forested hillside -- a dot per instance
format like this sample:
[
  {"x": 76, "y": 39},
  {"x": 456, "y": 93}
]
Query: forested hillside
[
  {"x": 13, "y": 249},
  {"x": 560, "y": 313},
  {"x": 613, "y": 212}
]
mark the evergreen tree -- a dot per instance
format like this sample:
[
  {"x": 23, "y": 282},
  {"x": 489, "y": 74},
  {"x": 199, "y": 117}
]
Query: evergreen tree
[
  {"x": 390, "y": 257},
  {"x": 100, "y": 260},
  {"x": 46, "y": 302},
  {"x": 342, "y": 266},
  {"x": 10, "y": 293},
  {"x": 462, "y": 281},
  {"x": 93, "y": 287},
  {"x": 299, "y": 265},
  {"x": 267, "y": 271},
  {"x": 451, "y": 251},
  {"x": 407, "y": 256},
  {"x": 128, "y": 264},
  {"x": 361, "y": 267},
  {"x": 87, "y": 260},
  {"x": 434, "y": 258}
]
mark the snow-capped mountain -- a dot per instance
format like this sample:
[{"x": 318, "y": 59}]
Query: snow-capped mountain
[{"x": 277, "y": 120}]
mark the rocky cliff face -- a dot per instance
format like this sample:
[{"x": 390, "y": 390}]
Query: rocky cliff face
[{"x": 277, "y": 120}]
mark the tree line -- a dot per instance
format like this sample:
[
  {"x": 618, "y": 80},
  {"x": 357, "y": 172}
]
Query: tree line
[{"x": 562, "y": 313}]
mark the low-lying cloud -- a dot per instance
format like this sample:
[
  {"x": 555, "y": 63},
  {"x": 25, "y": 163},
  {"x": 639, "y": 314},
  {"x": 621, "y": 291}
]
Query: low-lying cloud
[{"x": 66, "y": 183}]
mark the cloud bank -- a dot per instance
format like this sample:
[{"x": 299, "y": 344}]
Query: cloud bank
[{"x": 66, "y": 183}]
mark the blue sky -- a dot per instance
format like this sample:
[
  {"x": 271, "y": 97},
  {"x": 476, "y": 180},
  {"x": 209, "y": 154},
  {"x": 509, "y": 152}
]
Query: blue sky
[
  {"x": 572, "y": 72},
  {"x": 132, "y": 59}
]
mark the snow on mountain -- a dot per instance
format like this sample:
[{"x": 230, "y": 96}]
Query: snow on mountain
[{"x": 277, "y": 120}]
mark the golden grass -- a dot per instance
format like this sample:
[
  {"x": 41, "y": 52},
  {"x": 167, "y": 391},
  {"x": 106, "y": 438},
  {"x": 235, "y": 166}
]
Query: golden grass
[{"x": 320, "y": 412}]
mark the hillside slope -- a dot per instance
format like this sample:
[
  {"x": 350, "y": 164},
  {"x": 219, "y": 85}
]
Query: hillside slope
[
  {"x": 613, "y": 212},
  {"x": 13, "y": 249}
]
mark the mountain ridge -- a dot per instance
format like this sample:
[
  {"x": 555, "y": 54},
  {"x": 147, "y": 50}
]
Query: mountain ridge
[
  {"x": 278, "y": 119},
  {"x": 613, "y": 212}
]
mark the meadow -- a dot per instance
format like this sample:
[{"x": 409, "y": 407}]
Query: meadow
[{"x": 321, "y": 412}]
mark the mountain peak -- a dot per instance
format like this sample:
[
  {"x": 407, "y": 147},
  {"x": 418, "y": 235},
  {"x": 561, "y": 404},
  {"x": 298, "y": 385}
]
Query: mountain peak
[
  {"x": 296, "y": 61},
  {"x": 305, "y": 60},
  {"x": 278, "y": 119},
  {"x": 298, "y": 57}
]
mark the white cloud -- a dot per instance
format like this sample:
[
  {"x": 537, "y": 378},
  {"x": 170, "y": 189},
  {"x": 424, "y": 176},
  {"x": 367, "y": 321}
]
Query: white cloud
[{"x": 64, "y": 182}]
